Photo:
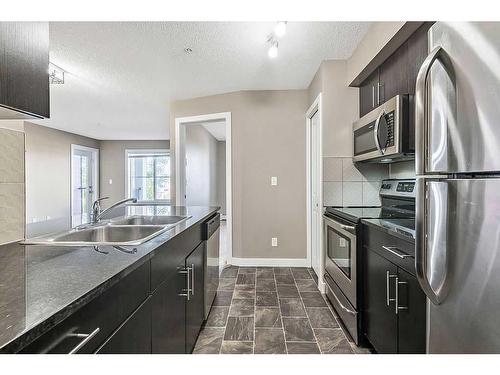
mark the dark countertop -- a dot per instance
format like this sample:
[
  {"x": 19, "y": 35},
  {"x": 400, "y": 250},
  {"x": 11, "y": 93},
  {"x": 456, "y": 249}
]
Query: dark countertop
[
  {"x": 41, "y": 285},
  {"x": 401, "y": 228}
]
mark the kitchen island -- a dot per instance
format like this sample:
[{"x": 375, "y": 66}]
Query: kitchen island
[{"x": 50, "y": 293}]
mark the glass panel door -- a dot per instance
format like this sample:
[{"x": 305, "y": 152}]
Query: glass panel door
[{"x": 83, "y": 177}]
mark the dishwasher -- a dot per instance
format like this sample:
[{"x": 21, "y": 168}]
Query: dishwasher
[{"x": 211, "y": 236}]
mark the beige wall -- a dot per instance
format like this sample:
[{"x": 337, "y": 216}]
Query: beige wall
[
  {"x": 112, "y": 166},
  {"x": 268, "y": 139},
  {"x": 375, "y": 39},
  {"x": 48, "y": 167}
]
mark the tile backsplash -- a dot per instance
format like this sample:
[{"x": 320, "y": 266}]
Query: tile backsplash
[{"x": 347, "y": 184}]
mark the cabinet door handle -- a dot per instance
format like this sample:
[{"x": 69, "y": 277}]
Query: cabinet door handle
[
  {"x": 192, "y": 279},
  {"x": 86, "y": 338},
  {"x": 388, "y": 298},
  {"x": 373, "y": 96},
  {"x": 186, "y": 291},
  {"x": 398, "y": 283},
  {"x": 395, "y": 251}
]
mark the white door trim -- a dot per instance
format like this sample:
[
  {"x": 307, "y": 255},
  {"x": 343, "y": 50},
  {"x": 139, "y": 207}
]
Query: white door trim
[
  {"x": 95, "y": 152},
  {"x": 316, "y": 106},
  {"x": 226, "y": 116}
]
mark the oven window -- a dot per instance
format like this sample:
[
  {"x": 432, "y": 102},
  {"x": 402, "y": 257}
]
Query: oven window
[
  {"x": 339, "y": 250},
  {"x": 364, "y": 139}
]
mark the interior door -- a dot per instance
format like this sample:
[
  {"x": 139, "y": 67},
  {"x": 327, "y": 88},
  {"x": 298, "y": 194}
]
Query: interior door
[
  {"x": 315, "y": 191},
  {"x": 195, "y": 307},
  {"x": 84, "y": 183},
  {"x": 458, "y": 248}
]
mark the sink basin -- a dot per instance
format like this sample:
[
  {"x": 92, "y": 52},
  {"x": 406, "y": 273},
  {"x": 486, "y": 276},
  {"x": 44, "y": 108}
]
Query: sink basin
[
  {"x": 124, "y": 235},
  {"x": 149, "y": 220}
]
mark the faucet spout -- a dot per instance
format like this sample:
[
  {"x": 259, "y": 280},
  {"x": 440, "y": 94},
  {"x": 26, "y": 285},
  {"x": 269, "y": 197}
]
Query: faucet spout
[{"x": 99, "y": 213}]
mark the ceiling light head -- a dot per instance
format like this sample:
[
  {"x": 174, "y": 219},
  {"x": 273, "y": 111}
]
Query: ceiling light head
[
  {"x": 280, "y": 29},
  {"x": 56, "y": 74},
  {"x": 273, "y": 50},
  {"x": 188, "y": 50}
]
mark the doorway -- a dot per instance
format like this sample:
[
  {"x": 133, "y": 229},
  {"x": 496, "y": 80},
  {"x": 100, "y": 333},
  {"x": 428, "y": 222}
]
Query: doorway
[
  {"x": 194, "y": 175},
  {"x": 84, "y": 183},
  {"x": 314, "y": 189}
]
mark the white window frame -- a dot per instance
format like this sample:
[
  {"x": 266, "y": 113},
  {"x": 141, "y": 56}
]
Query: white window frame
[{"x": 127, "y": 172}]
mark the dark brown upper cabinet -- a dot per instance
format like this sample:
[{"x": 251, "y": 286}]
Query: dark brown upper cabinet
[
  {"x": 397, "y": 75},
  {"x": 24, "y": 70}
]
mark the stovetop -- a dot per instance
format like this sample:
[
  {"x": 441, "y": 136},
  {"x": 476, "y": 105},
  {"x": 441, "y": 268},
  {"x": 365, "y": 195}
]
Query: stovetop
[{"x": 355, "y": 214}]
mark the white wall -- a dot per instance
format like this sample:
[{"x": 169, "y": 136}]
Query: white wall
[
  {"x": 201, "y": 167},
  {"x": 221, "y": 175}
]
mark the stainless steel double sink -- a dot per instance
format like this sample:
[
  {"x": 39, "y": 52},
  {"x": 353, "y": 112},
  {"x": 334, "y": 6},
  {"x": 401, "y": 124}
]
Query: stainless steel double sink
[{"x": 125, "y": 231}]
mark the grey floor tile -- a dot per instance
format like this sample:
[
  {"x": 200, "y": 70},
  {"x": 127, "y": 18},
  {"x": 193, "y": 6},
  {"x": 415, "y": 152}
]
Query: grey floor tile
[
  {"x": 302, "y": 348},
  {"x": 282, "y": 271},
  {"x": 269, "y": 341},
  {"x": 284, "y": 279},
  {"x": 313, "y": 299},
  {"x": 244, "y": 293},
  {"x": 217, "y": 317},
  {"x": 209, "y": 341},
  {"x": 301, "y": 274},
  {"x": 223, "y": 298},
  {"x": 266, "y": 299},
  {"x": 266, "y": 273},
  {"x": 231, "y": 271},
  {"x": 265, "y": 285},
  {"x": 239, "y": 329},
  {"x": 226, "y": 283},
  {"x": 306, "y": 285},
  {"x": 332, "y": 341},
  {"x": 298, "y": 329},
  {"x": 245, "y": 278},
  {"x": 288, "y": 291},
  {"x": 242, "y": 307},
  {"x": 321, "y": 317},
  {"x": 247, "y": 270},
  {"x": 269, "y": 317},
  {"x": 236, "y": 347},
  {"x": 292, "y": 307}
]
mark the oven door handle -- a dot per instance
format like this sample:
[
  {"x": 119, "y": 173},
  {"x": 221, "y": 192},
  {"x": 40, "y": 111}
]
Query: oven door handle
[{"x": 343, "y": 226}]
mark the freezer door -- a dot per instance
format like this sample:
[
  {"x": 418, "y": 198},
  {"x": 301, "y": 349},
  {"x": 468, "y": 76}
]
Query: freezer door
[
  {"x": 457, "y": 96},
  {"x": 458, "y": 263}
]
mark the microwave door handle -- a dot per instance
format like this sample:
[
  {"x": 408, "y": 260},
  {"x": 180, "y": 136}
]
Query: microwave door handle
[
  {"x": 421, "y": 103},
  {"x": 375, "y": 133}
]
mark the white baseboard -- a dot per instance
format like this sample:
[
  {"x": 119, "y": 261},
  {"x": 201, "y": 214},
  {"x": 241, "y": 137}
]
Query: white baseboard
[{"x": 270, "y": 262}]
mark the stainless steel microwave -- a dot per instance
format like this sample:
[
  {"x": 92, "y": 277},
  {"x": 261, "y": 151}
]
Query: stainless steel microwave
[{"x": 386, "y": 134}]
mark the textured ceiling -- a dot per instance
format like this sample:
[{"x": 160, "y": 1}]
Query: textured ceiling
[{"x": 123, "y": 75}]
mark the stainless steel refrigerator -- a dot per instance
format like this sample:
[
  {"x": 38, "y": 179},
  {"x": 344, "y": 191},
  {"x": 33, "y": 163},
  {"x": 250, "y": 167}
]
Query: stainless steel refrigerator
[{"x": 458, "y": 187}]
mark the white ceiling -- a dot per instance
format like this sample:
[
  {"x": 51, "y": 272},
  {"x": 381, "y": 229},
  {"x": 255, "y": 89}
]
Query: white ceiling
[
  {"x": 121, "y": 76},
  {"x": 216, "y": 128}
]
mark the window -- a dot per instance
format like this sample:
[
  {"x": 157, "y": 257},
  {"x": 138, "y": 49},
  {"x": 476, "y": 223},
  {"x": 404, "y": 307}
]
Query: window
[{"x": 148, "y": 177}]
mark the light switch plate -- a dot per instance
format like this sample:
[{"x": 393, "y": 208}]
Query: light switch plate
[
  {"x": 274, "y": 241},
  {"x": 274, "y": 181}
]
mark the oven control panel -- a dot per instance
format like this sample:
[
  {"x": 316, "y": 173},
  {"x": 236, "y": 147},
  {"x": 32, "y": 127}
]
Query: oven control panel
[{"x": 398, "y": 188}]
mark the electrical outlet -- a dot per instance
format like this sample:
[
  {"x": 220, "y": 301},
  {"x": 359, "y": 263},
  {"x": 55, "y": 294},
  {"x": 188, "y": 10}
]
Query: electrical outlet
[
  {"x": 274, "y": 241},
  {"x": 274, "y": 181}
]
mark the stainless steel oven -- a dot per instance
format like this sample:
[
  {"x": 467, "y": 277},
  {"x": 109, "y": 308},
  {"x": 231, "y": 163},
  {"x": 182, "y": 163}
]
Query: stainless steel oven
[
  {"x": 385, "y": 134},
  {"x": 341, "y": 271}
]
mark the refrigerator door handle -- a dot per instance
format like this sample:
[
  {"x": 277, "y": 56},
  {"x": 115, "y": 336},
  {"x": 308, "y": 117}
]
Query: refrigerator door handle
[
  {"x": 421, "y": 266},
  {"x": 421, "y": 104}
]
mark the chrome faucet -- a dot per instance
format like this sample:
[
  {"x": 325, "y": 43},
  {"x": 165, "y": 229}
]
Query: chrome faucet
[{"x": 96, "y": 208}]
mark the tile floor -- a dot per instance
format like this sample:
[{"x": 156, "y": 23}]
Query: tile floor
[{"x": 265, "y": 310}]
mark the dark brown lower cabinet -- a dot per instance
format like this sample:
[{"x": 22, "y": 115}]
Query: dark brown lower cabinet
[
  {"x": 394, "y": 319},
  {"x": 168, "y": 315},
  {"x": 381, "y": 324},
  {"x": 133, "y": 336},
  {"x": 195, "y": 304}
]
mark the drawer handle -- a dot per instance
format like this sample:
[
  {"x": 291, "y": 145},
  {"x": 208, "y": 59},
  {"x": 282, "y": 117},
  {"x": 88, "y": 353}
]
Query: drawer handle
[
  {"x": 395, "y": 251},
  {"x": 86, "y": 338}
]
